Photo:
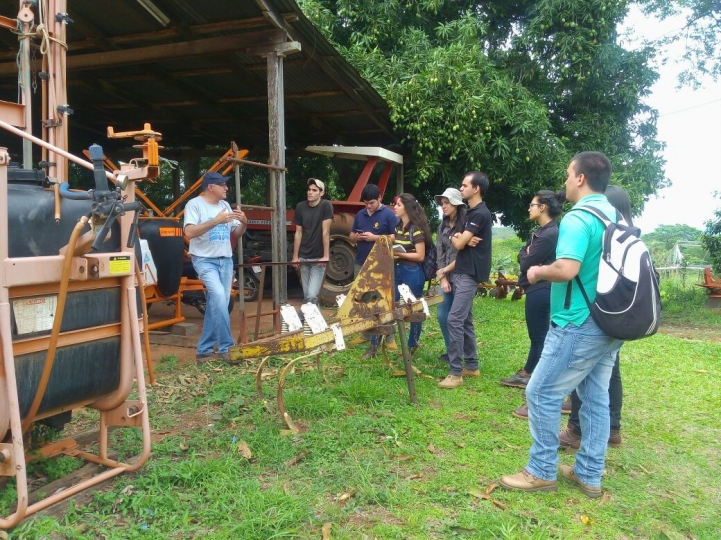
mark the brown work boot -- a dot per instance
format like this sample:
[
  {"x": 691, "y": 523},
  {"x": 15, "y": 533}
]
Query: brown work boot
[
  {"x": 525, "y": 481},
  {"x": 391, "y": 346},
  {"x": 614, "y": 438},
  {"x": 451, "y": 382},
  {"x": 569, "y": 474},
  {"x": 566, "y": 406},
  {"x": 568, "y": 439},
  {"x": 521, "y": 412},
  {"x": 517, "y": 380},
  {"x": 473, "y": 373},
  {"x": 360, "y": 340}
]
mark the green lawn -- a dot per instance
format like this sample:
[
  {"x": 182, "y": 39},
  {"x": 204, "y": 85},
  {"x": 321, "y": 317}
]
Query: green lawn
[{"x": 374, "y": 466}]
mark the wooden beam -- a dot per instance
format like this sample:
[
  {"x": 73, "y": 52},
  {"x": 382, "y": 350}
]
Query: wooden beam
[{"x": 159, "y": 53}]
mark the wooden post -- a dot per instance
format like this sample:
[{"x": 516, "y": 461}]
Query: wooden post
[{"x": 276, "y": 144}]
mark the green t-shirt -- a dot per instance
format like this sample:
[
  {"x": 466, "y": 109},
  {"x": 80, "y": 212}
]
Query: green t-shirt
[{"x": 580, "y": 236}]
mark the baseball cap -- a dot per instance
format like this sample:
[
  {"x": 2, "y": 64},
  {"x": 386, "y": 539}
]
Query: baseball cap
[
  {"x": 214, "y": 178},
  {"x": 453, "y": 196},
  {"x": 316, "y": 182}
]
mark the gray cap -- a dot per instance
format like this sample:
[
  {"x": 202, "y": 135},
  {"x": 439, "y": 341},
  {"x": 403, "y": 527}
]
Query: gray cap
[{"x": 453, "y": 196}]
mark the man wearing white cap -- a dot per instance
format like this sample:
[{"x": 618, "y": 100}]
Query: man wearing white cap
[
  {"x": 209, "y": 222},
  {"x": 313, "y": 218}
]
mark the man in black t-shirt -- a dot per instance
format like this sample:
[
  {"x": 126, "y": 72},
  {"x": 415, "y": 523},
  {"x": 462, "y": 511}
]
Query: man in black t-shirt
[
  {"x": 312, "y": 239},
  {"x": 473, "y": 266}
]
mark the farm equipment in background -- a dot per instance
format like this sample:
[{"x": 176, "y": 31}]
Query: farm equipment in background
[
  {"x": 341, "y": 265},
  {"x": 500, "y": 287},
  {"x": 712, "y": 284}
]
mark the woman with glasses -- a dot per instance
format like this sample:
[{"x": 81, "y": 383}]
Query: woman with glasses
[
  {"x": 540, "y": 249},
  {"x": 412, "y": 235},
  {"x": 454, "y": 218}
]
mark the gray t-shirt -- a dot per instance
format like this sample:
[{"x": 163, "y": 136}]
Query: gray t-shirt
[{"x": 216, "y": 241}]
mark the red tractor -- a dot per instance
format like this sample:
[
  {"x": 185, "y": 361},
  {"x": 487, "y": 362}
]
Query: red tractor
[{"x": 339, "y": 274}]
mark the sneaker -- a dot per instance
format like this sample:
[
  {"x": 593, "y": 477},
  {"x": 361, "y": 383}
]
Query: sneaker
[
  {"x": 525, "y": 481},
  {"x": 566, "y": 406},
  {"x": 473, "y": 373},
  {"x": 392, "y": 346},
  {"x": 444, "y": 358},
  {"x": 568, "y": 439},
  {"x": 569, "y": 474},
  {"x": 371, "y": 352},
  {"x": 451, "y": 382},
  {"x": 521, "y": 412},
  {"x": 518, "y": 380},
  {"x": 360, "y": 340},
  {"x": 614, "y": 439}
]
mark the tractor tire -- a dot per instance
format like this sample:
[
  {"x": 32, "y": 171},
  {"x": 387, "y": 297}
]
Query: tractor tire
[
  {"x": 251, "y": 287},
  {"x": 341, "y": 266}
]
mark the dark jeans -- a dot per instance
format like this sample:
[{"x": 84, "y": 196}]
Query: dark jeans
[
  {"x": 615, "y": 398},
  {"x": 538, "y": 318},
  {"x": 444, "y": 308}
]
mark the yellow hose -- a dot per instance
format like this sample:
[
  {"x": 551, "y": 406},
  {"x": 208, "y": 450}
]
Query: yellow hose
[{"x": 57, "y": 322}]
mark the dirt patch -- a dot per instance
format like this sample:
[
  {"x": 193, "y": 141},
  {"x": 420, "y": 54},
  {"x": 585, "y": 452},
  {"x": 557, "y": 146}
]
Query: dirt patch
[{"x": 699, "y": 333}]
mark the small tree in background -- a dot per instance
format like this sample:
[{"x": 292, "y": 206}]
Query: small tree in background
[{"x": 711, "y": 239}]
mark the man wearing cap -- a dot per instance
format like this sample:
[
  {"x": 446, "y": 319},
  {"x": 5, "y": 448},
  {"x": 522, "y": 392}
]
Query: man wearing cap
[
  {"x": 473, "y": 266},
  {"x": 313, "y": 218},
  {"x": 209, "y": 225},
  {"x": 372, "y": 222}
]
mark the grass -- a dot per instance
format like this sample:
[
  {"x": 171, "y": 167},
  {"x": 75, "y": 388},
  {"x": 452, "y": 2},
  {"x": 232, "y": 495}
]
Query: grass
[{"x": 372, "y": 465}]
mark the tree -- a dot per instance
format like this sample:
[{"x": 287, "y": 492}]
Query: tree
[
  {"x": 511, "y": 88},
  {"x": 712, "y": 239},
  {"x": 699, "y": 34},
  {"x": 663, "y": 240},
  {"x": 667, "y": 236}
]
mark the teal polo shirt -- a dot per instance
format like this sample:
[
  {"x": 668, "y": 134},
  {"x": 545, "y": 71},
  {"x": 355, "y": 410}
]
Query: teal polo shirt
[{"x": 580, "y": 236}]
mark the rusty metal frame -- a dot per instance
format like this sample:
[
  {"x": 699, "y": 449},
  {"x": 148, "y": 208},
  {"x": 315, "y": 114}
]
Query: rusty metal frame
[{"x": 369, "y": 306}]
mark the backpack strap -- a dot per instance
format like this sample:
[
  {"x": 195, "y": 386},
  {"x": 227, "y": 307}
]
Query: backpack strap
[
  {"x": 606, "y": 222},
  {"x": 569, "y": 288}
]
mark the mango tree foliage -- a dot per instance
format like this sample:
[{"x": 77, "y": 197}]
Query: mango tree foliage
[
  {"x": 511, "y": 88},
  {"x": 698, "y": 33}
]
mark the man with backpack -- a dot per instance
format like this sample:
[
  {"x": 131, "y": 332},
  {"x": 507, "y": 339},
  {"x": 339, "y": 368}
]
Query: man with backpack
[
  {"x": 473, "y": 266},
  {"x": 576, "y": 353}
]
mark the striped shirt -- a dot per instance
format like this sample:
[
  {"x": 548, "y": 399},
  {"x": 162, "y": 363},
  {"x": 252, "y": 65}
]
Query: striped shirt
[{"x": 403, "y": 238}]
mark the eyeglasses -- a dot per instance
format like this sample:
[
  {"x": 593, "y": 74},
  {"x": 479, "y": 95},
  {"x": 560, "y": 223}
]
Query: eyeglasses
[{"x": 535, "y": 204}]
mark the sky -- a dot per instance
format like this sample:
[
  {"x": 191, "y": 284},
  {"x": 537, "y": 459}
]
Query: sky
[{"x": 690, "y": 124}]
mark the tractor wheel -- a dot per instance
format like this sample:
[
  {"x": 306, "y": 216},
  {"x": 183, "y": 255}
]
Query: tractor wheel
[
  {"x": 340, "y": 271},
  {"x": 251, "y": 287}
]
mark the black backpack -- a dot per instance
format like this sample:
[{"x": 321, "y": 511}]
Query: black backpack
[
  {"x": 628, "y": 301},
  {"x": 430, "y": 261}
]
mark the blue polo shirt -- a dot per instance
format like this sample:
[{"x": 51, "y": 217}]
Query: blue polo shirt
[
  {"x": 382, "y": 222},
  {"x": 580, "y": 236}
]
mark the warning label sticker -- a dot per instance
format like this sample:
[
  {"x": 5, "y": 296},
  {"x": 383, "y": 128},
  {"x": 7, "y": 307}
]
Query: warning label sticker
[
  {"x": 34, "y": 314},
  {"x": 120, "y": 265}
]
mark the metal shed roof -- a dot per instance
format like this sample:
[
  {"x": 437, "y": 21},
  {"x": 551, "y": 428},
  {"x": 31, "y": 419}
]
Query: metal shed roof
[{"x": 195, "y": 71}]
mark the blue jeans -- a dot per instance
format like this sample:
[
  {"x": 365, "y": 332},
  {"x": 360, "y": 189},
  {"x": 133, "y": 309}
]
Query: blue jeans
[
  {"x": 580, "y": 357},
  {"x": 442, "y": 313},
  {"x": 411, "y": 275},
  {"x": 311, "y": 278},
  {"x": 217, "y": 276}
]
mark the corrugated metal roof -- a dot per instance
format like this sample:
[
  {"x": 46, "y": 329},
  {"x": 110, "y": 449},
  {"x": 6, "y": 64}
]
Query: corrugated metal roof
[{"x": 124, "y": 71}]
